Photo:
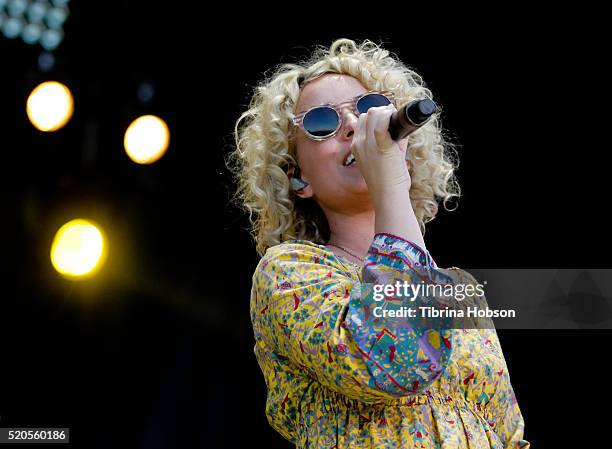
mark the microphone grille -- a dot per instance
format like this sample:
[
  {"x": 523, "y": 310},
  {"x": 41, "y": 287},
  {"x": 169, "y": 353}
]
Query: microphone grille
[{"x": 420, "y": 111}]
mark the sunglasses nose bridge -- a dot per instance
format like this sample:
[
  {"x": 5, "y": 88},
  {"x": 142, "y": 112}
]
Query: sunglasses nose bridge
[
  {"x": 349, "y": 116},
  {"x": 348, "y": 106}
]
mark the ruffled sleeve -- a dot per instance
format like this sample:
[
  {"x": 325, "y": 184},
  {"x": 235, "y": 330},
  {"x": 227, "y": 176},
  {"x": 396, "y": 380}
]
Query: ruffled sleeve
[
  {"x": 310, "y": 312},
  {"x": 502, "y": 410}
]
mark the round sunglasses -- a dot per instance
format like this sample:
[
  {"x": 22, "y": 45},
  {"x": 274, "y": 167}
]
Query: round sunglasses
[{"x": 323, "y": 121}]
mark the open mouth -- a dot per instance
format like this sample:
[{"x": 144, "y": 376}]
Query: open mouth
[{"x": 350, "y": 160}]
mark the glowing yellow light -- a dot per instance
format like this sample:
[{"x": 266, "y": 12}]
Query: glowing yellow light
[
  {"x": 78, "y": 249},
  {"x": 146, "y": 139},
  {"x": 50, "y": 106}
]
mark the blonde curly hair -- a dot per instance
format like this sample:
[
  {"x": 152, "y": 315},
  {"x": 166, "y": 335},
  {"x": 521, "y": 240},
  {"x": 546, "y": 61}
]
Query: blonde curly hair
[{"x": 265, "y": 144}]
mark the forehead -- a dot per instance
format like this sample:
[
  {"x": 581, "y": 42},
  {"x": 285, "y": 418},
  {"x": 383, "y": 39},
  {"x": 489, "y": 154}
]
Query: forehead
[{"x": 331, "y": 88}]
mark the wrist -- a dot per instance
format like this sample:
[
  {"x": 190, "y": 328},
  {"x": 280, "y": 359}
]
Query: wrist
[{"x": 391, "y": 195}]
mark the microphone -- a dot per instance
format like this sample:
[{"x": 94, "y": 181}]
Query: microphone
[{"x": 411, "y": 117}]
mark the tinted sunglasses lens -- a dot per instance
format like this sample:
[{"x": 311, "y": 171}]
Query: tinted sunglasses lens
[
  {"x": 371, "y": 101},
  {"x": 320, "y": 122}
]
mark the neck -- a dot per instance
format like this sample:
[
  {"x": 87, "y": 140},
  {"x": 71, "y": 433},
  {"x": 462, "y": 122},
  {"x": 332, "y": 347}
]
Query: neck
[{"x": 351, "y": 230}]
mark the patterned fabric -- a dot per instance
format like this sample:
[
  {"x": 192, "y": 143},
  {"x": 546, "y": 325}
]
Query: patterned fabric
[{"x": 339, "y": 377}]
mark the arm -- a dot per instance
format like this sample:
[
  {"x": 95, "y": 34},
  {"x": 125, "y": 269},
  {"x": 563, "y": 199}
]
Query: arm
[
  {"x": 395, "y": 215},
  {"x": 309, "y": 311}
]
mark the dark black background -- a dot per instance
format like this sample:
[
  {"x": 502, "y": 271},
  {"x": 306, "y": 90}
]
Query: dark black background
[{"x": 157, "y": 351}]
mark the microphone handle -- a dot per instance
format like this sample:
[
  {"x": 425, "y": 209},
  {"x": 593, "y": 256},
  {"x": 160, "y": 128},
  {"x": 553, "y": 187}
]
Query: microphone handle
[{"x": 411, "y": 117}]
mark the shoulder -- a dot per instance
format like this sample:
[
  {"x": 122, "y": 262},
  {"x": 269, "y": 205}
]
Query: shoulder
[
  {"x": 295, "y": 248},
  {"x": 301, "y": 258},
  {"x": 298, "y": 251}
]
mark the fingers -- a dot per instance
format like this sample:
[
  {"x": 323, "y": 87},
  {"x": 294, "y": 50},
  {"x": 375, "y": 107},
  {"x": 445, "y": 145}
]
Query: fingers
[
  {"x": 359, "y": 137},
  {"x": 372, "y": 130},
  {"x": 360, "y": 133},
  {"x": 378, "y": 126},
  {"x": 381, "y": 159}
]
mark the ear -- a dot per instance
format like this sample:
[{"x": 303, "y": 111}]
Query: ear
[{"x": 300, "y": 186}]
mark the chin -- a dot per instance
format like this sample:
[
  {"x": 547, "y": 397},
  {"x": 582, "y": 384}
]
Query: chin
[{"x": 359, "y": 187}]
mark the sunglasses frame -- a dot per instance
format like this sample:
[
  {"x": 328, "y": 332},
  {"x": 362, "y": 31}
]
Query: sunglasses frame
[{"x": 298, "y": 120}]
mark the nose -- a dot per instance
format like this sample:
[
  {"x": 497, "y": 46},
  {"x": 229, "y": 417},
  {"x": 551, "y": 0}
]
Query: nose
[{"x": 349, "y": 124}]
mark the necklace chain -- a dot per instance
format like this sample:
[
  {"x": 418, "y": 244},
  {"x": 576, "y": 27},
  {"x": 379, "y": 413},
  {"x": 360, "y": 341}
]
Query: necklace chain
[{"x": 347, "y": 251}]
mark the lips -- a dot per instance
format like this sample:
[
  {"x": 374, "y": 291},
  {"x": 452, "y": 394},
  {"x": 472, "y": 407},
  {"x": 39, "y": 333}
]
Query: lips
[
  {"x": 348, "y": 157},
  {"x": 349, "y": 160}
]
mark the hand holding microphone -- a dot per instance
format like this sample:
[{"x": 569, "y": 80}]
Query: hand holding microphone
[{"x": 378, "y": 148}]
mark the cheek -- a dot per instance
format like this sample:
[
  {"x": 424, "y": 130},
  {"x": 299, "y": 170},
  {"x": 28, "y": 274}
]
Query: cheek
[{"x": 317, "y": 159}]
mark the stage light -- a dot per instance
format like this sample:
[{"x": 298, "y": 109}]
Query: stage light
[
  {"x": 50, "y": 106},
  {"x": 46, "y": 61},
  {"x": 36, "y": 21},
  {"x": 11, "y": 27},
  {"x": 146, "y": 139},
  {"x": 37, "y": 12},
  {"x": 32, "y": 33},
  {"x": 146, "y": 92},
  {"x": 56, "y": 18},
  {"x": 50, "y": 39},
  {"x": 78, "y": 249}
]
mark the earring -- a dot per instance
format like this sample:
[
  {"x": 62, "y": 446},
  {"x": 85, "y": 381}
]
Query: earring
[{"x": 296, "y": 182}]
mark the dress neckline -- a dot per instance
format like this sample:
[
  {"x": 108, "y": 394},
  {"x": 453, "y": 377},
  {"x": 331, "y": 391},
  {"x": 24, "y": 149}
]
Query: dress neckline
[{"x": 340, "y": 258}]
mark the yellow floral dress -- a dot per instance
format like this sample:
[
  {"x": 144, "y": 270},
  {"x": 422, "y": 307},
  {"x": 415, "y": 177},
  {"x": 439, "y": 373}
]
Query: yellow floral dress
[{"x": 339, "y": 377}]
